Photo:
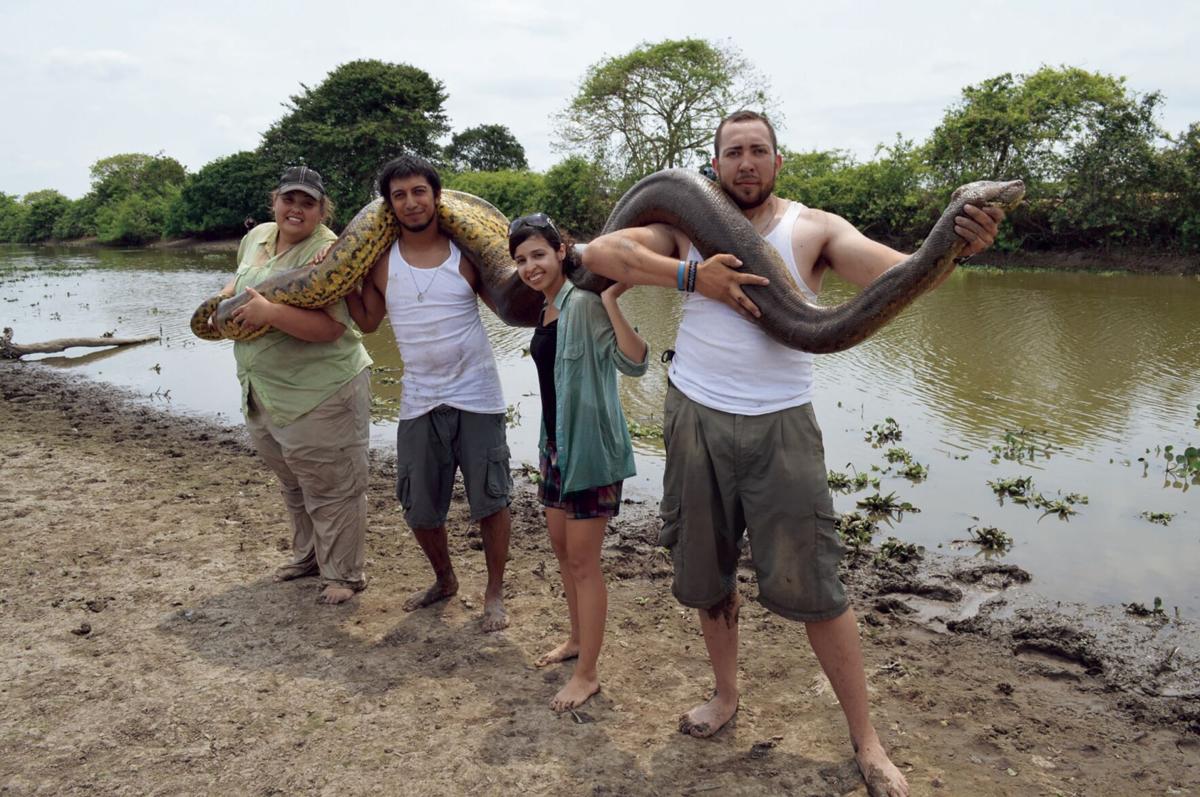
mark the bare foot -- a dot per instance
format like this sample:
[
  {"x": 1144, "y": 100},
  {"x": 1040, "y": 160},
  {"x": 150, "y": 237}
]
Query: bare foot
[
  {"x": 564, "y": 652},
  {"x": 708, "y": 718},
  {"x": 494, "y": 615},
  {"x": 331, "y": 595},
  {"x": 881, "y": 775},
  {"x": 441, "y": 589},
  {"x": 575, "y": 693},
  {"x": 288, "y": 572}
]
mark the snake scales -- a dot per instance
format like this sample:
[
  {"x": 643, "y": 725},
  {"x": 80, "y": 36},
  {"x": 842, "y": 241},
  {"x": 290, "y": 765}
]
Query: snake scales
[{"x": 679, "y": 197}]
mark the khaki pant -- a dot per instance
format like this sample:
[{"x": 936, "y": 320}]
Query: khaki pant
[{"x": 321, "y": 461}]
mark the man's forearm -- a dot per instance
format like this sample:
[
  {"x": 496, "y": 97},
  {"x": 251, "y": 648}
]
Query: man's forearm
[{"x": 628, "y": 261}]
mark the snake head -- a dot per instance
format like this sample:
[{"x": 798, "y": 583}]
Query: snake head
[{"x": 985, "y": 193}]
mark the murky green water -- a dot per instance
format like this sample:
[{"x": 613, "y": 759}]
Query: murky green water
[{"x": 1099, "y": 368}]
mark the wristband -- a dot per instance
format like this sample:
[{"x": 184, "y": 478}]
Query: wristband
[{"x": 679, "y": 275}]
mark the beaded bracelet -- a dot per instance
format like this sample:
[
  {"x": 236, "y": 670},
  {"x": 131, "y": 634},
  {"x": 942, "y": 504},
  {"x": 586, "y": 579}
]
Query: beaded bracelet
[{"x": 693, "y": 265}]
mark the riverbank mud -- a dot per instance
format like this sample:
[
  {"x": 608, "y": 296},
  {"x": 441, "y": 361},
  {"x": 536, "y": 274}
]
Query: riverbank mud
[{"x": 144, "y": 649}]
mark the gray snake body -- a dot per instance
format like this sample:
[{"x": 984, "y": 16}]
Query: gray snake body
[{"x": 709, "y": 218}]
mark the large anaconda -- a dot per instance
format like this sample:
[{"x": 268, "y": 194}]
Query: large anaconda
[
  {"x": 479, "y": 229},
  {"x": 679, "y": 197},
  {"x": 713, "y": 222}
]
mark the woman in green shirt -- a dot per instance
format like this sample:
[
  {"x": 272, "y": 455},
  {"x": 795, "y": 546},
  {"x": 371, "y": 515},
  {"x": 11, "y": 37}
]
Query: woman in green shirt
[
  {"x": 585, "y": 452},
  {"x": 306, "y": 392}
]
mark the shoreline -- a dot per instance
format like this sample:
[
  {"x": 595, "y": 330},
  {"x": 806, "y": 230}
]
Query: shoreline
[
  {"x": 159, "y": 531},
  {"x": 1132, "y": 261}
]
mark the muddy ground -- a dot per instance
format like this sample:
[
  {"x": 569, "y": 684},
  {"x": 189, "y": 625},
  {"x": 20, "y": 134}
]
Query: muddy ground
[{"x": 144, "y": 650}]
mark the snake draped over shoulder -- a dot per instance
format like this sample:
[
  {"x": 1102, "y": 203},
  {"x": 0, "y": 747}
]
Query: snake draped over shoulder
[
  {"x": 703, "y": 212},
  {"x": 681, "y": 198},
  {"x": 478, "y": 228}
]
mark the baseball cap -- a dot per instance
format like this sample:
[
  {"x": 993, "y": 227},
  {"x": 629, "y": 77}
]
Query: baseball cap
[{"x": 302, "y": 178}]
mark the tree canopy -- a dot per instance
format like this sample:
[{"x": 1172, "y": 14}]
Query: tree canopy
[
  {"x": 360, "y": 116},
  {"x": 217, "y": 199},
  {"x": 658, "y": 105},
  {"x": 485, "y": 148}
]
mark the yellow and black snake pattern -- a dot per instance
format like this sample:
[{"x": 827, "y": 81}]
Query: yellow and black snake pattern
[{"x": 478, "y": 228}]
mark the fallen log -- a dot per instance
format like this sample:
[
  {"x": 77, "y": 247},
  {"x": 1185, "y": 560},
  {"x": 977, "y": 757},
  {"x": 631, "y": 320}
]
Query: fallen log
[{"x": 15, "y": 351}]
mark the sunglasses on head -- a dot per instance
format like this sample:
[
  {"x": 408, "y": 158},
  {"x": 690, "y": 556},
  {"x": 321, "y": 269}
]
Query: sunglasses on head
[{"x": 535, "y": 221}]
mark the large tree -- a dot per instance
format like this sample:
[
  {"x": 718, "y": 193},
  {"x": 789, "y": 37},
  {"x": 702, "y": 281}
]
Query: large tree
[
  {"x": 360, "y": 116},
  {"x": 1023, "y": 125},
  {"x": 658, "y": 105},
  {"x": 118, "y": 176},
  {"x": 486, "y": 148},
  {"x": 578, "y": 195},
  {"x": 44, "y": 208},
  {"x": 217, "y": 199},
  {"x": 1086, "y": 146}
]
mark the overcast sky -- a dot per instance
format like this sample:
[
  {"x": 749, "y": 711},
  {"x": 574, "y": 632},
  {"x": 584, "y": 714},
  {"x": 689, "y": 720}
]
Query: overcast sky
[{"x": 82, "y": 81}]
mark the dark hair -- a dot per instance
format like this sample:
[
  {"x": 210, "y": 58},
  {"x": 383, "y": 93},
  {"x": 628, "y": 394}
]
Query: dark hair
[
  {"x": 407, "y": 166},
  {"x": 743, "y": 116},
  {"x": 525, "y": 227}
]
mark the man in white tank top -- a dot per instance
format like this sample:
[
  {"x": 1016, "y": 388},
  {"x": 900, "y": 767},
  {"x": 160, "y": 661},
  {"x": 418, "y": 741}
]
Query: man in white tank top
[
  {"x": 452, "y": 407},
  {"x": 743, "y": 447}
]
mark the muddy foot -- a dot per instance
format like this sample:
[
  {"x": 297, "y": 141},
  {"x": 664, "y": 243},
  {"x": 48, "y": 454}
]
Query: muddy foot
[
  {"x": 564, "y": 652},
  {"x": 440, "y": 590},
  {"x": 331, "y": 595},
  {"x": 288, "y": 572},
  {"x": 880, "y": 774},
  {"x": 494, "y": 615},
  {"x": 575, "y": 693},
  {"x": 708, "y": 718}
]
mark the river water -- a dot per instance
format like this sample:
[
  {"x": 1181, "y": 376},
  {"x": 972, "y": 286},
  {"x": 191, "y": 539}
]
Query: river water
[{"x": 1095, "y": 373}]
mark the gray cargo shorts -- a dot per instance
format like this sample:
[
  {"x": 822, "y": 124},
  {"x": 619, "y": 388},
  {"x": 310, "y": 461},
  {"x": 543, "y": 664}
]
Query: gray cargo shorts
[
  {"x": 764, "y": 474},
  {"x": 431, "y": 447}
]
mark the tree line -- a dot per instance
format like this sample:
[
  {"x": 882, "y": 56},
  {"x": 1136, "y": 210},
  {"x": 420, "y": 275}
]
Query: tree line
[{"x": 1100, "y": 171}]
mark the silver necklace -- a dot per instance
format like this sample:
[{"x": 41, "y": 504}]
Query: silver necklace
[{"x": 428, "y": 285}]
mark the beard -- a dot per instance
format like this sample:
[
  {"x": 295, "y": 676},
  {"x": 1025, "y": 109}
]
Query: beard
[
  {"x": 750, "y": 203},
  {"x": 417, "y": 227}
]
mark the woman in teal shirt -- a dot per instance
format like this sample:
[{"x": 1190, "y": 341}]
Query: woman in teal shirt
[
  {"x": 306, "y": 393},
  {"x": 585, "y": 451}
]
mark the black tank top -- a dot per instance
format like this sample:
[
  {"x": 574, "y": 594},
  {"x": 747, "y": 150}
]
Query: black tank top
[{"x": 542, "y": 348}]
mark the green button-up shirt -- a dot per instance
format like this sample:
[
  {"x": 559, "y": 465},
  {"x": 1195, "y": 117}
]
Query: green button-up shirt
[
  {"x": 291, "y": 376},
  {"x": 593, "y": 442}
]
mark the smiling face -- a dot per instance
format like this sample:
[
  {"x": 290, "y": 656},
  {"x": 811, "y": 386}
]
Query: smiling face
[
  {"x": 413, "y": 201},
  {"x": 297, "y": 215},
  {"x": 747, "y": 163},
  {"x": 540, "y": 265}
]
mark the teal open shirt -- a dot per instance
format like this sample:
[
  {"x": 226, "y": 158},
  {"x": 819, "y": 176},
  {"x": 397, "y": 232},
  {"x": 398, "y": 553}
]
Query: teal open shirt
[{"x": 592, "y": 438}]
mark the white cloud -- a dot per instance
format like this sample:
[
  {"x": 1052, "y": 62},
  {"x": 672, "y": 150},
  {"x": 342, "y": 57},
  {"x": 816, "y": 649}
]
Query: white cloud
[{"x": 105, "y": 65}]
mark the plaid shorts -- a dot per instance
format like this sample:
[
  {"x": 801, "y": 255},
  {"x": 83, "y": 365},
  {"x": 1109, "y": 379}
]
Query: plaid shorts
[{"x": 580, "y": 505}]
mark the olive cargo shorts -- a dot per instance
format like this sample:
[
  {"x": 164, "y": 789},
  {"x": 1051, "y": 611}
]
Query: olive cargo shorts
[
  {"x": 429, "y": 449},
  {"x": 728, "y": 473}
]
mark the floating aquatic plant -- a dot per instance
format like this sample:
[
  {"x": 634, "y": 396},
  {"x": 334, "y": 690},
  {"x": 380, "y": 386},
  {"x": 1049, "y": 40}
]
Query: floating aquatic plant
[
  {"x": 878, "y": 504},
  {"x": 1013, "y": 488},
  {"x": 886, "y": 432},
  {"x": 855, "y": 529},
  {"x": 990, "y": 538},
  {"x": 1021, "y": 445},
  {"x": 847, "y": 483},
  {"x": 894, "y": 550}
]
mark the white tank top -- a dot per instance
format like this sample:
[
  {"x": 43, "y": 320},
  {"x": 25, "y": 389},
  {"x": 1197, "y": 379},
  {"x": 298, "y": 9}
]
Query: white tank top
[
  {"x": 447, "y": 355},
  {"x": 726, "y": 362}
]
